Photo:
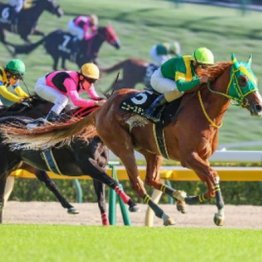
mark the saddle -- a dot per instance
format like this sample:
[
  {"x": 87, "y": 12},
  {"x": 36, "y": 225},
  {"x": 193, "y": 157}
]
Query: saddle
[{"x": 139, "y": 102}]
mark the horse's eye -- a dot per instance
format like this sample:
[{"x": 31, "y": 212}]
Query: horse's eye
[{"x": 242, "y": 81}]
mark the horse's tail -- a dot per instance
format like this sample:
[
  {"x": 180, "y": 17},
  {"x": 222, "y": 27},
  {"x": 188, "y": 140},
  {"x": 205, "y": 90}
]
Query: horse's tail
[
  {"x": 115, "y": 67},
  {"x": 49, "y": 135},
  {"x": 26, "y": 49}
]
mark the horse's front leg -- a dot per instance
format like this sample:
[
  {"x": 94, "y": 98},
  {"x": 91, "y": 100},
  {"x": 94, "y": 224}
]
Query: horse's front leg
[
  {"x": 153, "y": 179},
  {"x": 50, "y": 184},
  {"x": 208, "y": 175}
]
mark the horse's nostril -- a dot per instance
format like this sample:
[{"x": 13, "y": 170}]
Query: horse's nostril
[{"x": 258, "y": 108}]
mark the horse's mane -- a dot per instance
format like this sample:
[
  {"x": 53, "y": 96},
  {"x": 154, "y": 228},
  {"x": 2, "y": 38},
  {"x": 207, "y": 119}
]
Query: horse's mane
[{"x": 213, "y": 72}]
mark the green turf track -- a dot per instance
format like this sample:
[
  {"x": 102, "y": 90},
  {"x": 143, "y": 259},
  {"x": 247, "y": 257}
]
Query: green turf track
[
  {"x": 81, "y": 243},
  {"x": 140, "y": 24}
]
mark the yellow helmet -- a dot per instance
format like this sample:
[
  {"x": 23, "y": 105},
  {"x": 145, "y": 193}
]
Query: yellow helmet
[
  {"x": 94, "y": 19},
  {"x": 90, "y": 70}
]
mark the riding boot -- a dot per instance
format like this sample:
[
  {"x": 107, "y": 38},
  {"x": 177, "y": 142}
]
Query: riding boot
[
  {"x": 149, "y": 112},
  {"x": 52, "y": 116}
]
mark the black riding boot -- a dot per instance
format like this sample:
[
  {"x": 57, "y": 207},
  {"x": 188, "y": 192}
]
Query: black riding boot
[
  {"x": 149, "y": 112},
  {"x": 52, "y": 116}
]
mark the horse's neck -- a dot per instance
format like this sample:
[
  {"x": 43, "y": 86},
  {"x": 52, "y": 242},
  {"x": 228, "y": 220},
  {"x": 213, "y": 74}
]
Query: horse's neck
[
  {"x": 35, "y": 11},
  {"x": 216, "y": 104},
  {"x": 95, "y": 44}
]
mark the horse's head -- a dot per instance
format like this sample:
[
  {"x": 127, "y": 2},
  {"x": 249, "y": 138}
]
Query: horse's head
[
  {"x": 241, "y": 85},
  {"x": 52, "y": 7},
  {"x": 110, "y": 35}
]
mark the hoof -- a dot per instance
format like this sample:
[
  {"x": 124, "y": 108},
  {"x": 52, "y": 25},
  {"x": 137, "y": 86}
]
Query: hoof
[
  {"x": 72, "y": 211},
  {"x": 181, "y": 206},
  {"x": 133, "y": 208},
  {"x": 169, "y": 222},
  {"x": 219, "y": 220}
]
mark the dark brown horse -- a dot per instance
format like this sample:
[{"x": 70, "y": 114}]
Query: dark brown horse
[
  {"x": 27, "y": 19},
  {"x": 190, "y": 135},
  {"x": 133, "y": 71},
  {"x": 78, "y": 158},
  {"x": 62, "y": 45}
]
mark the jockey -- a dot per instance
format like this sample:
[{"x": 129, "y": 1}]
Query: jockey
[
  {"x": 178, "y": 75},
  {"x": 63, "y": 88},
  {"x": 159, "y": 53},
  {"x": 84, "y": 27},
  {"x": 17, "y": 6},
  {"x": 10, "y": 90}
]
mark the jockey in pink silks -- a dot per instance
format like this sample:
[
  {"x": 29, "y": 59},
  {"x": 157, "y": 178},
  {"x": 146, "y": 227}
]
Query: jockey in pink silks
[
  {"x": 63, "y": 88},
  {"x": 84, "y": 27}
]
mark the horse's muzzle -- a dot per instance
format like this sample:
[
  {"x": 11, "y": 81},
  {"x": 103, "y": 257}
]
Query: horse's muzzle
[
  {"x": 59, "y": 12},
  {"x": 117, "y": 45}
]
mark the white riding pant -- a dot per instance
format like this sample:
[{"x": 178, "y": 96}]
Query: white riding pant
[
  {"x": 17, "y": 4},
  {"x": 75, "y": 30},
  {"x": 158, "y": 59},
  {"x": 165, "y": 86},
  {"x": 52, "y": 95}
]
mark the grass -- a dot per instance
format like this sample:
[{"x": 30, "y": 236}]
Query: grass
[
  {"x": 144, "y": 23},
  {"x": 78, "y": 243}
]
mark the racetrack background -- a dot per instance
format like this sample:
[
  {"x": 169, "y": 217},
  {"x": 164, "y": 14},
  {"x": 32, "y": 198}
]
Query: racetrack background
[{"x": 145, "y": 23}]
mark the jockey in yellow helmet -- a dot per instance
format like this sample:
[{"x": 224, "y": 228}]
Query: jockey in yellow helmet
[
  {"x": 178, "y": 75},
  {"x": 64, "y": 87}
]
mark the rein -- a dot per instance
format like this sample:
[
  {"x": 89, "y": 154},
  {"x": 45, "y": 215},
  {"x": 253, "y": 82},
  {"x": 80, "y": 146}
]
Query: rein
[{"x": 205, "y": 112}]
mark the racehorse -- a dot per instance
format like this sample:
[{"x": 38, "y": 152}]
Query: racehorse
[
  {"x": 60, "y": 44},
  {"x": 189, "y": 134},
  {"x": 27, "y": 19},
  {"x": 134, "y": 71},
  {"x": 76, "y": 159}
]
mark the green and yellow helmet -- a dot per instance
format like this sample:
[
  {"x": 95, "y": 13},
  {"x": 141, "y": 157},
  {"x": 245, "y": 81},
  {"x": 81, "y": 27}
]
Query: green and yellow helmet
[
  {"x": 204, "y": 56},
  {"x": 16, "y": 67}
]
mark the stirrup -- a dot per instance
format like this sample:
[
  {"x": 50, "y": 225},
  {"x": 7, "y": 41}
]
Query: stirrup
[{"x": 36, "y": 123}]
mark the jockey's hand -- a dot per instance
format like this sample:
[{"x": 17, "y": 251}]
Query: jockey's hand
[
  {"x": 100, "y": 102},
  {"x": 203, "y": 79}
]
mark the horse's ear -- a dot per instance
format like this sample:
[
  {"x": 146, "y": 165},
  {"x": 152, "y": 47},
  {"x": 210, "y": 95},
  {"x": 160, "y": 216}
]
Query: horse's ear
[
  {"x": 234, "y": 60},
  {"x": 249, "y": 62}
]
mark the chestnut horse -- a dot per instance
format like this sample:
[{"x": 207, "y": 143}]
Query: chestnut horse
[{"x": 190, "y": 135}]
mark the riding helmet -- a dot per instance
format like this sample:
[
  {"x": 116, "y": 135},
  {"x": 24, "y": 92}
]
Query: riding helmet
[
  {"x": 90, "y": 70},
  {"x": 16, "y": 66},
  {"x": 204, "y": 56}
]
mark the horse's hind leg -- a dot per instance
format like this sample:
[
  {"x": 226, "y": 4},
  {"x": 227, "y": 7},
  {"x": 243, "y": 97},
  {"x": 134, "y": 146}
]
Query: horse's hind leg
[
  {"x": 3, "y": 177},
  {"x": 153, "y": 179},
  {"x": 208, "y": 175},
  {"x": 126, "y": 153},
  {"x": 43, "y": 177},
  {"x": 100, "y": 192}
]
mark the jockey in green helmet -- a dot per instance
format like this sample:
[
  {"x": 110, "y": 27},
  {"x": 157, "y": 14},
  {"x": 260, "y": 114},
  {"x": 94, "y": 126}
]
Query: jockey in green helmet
[
  {"x": 10, "y": 90},
  {"x": 160, "y": 53},
  {"x": 178, "y": 75}
]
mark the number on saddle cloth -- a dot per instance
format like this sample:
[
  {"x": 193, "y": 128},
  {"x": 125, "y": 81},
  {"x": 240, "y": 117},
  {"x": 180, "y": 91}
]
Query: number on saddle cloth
[
  {"x": 149, "y": 72},
  {"x": 6, "y": 13},
  {"x": 139, "y": 102}
]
